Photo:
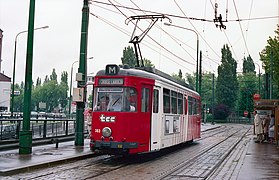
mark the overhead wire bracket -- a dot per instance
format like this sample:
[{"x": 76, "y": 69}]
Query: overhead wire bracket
[{"x": 218, "y": 19}]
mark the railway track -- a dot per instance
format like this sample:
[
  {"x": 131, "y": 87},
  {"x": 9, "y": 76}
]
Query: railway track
[{"x": 198, "y": 160}]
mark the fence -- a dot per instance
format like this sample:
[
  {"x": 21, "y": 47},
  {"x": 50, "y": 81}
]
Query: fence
[{"x": 41, "y": 128}]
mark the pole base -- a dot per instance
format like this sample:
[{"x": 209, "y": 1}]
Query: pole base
[
  {"x": 79, "y": 139},
  {"x": 25, "y": 142}
]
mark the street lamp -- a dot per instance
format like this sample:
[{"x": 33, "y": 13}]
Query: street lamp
[
  {"x": 13, "y": 85},
  {"x": 70, "y": 100},
  {"x": 71, "y": 83},
  {"x": 197, "y": 68}
]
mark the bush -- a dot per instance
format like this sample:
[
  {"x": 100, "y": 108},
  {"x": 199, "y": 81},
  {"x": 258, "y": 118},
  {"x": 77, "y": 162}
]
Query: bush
[{"x": 221, "y": 111}]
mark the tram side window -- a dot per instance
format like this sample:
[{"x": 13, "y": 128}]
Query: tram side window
[
  {"x": 155, "y": 101},
  {"x": 195, "y": 106},
  {"x": 186, "y": 105},
  {"x": 198, "y": 106},
  {"x": 145, "y": 100},
  {"x": 174, "y": 102},
  {"x": 166, "y": 100},
  {"x": 190, "y": 105},
  {"x": 180, "y": 103}
]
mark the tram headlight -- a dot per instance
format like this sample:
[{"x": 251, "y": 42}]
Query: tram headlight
[{"x": 106, "y": 132}]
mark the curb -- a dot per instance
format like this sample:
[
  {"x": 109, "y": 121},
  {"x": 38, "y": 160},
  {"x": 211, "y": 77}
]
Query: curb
[{"x": 21, "y": 169}]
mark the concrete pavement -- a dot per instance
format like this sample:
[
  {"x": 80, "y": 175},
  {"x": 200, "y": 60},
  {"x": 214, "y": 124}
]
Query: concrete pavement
[{"x": 42, "y": 156}]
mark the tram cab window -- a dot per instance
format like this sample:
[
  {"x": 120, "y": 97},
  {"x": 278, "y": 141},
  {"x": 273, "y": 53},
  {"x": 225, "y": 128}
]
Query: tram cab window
[
  {"x": 115, "y": 99},
  {"x": 145, "y": 100}
]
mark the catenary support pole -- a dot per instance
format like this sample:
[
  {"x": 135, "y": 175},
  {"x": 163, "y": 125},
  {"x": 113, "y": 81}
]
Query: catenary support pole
[
  {"x": 200, "y": 73},
  {"x": 25, "y": 136},
  {"x": 79, "y": 136}
]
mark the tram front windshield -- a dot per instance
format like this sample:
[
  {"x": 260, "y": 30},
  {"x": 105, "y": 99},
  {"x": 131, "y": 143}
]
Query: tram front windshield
[{"x": 115, "y": 99}]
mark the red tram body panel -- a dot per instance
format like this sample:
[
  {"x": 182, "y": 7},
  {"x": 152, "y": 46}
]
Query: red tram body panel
[{"x": 139, "y": 111}]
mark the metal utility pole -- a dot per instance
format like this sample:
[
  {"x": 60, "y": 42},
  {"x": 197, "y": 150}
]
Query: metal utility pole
[
  {"x": 259, "y": 78},
  {"x": 212, "y": 102},
  {"x": 79, "y": 136},
  {"x": 200, "y": 73},
  {"x": 197, "y": 64},
  {"x": 14, "y": 69},
  {"x": 25, "y": 136},
  {"x": 271, "y": 75}
]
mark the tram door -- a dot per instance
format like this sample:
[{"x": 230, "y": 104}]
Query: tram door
[
  {"x": 155, "y": 120},
  {"x": 145, "y": 115}
]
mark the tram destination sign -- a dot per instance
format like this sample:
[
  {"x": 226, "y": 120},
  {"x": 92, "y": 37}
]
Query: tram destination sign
[{"x": 108, "y": 81}]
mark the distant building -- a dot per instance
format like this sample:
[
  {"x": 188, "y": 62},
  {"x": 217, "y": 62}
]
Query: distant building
[{"x": 5, "y": 92}]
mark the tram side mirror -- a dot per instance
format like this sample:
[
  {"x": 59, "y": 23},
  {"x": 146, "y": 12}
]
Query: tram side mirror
[{"x": 78, "y": 94}]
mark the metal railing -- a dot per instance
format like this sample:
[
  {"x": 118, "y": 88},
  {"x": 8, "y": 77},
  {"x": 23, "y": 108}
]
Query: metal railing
[{"x": 41, "y": 128}]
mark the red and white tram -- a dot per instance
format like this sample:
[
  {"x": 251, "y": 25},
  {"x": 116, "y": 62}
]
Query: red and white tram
[{"x": 139, "y": 110}]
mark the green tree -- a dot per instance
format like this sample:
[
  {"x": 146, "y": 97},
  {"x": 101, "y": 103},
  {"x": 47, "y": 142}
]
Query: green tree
[
  {"x": 38, "y": 82},
  {"x": 46, "y": 79},
  {"x": 53, "y": 76},
  {"x": 64, "y": 77},
  {"x": 129, "y": 57},
  {"x": 90, "y": 101},
  {"x": 247, "y": 88},
  {"x": 64, "y": 87},
  {"x": 248, "y": 65},
  {"x": 18, "y": 99},
  {"x": 191, "y": 79},
  {"x": 226, "y": 85},
  {"x": 147, "y": 63},
  {"x": 270, "y": 59},
  {"x": 180, "y": 74},
  {"x": 206, "y": 90}
]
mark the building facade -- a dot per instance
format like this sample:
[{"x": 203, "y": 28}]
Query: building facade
[{"x": 5, "y": 92}]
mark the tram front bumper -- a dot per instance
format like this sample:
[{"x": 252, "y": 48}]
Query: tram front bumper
[{"x": 114, "y": 145}]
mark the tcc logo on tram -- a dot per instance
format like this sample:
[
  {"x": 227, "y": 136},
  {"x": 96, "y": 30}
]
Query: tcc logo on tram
[{"x": 107, "y": 118}]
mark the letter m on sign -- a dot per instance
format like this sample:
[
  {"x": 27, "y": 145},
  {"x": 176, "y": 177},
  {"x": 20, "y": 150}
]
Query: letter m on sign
[{"x": 112, "y": 69}]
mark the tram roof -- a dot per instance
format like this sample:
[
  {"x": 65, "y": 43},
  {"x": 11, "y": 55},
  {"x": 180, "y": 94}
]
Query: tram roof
[{"x": 150, "y": 73}]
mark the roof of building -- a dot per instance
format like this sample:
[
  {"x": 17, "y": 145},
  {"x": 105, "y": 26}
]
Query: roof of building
[{"x": 4, "y": 78}]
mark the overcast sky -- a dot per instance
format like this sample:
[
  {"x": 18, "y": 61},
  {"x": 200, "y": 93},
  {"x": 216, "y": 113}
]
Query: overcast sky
[{"x": 168, "y": 48}]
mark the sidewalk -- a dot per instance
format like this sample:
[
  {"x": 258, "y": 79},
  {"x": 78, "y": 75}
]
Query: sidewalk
[
  {"x": 261, "y": 161},
  {"x": 42, "y": 156}
]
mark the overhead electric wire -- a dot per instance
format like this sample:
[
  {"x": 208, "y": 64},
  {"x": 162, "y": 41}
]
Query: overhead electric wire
[
  {"x": 171, "y": 36},
  {"x": 249, "y": 18},
  {"x": 182, "y": 17},
  {"x": 241, "y": 28},
  {"x": 227, "y": 35},
  {"x": 231, "y": 46},
  {"x": 156, "y": 41},
  {"x": 147, "y": 11},
  {"x": 198, "y": 32},
  {"x": 128, "y": 34}
]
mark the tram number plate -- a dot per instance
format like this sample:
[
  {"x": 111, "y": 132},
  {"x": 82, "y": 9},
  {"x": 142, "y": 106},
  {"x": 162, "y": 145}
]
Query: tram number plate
[{"x": 119, "y": 146}]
